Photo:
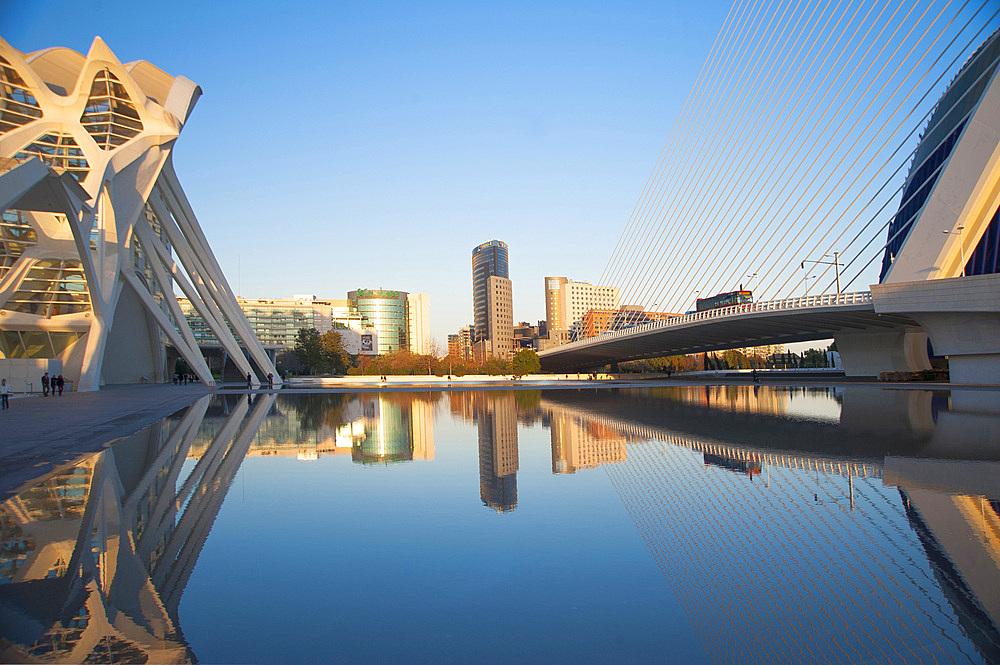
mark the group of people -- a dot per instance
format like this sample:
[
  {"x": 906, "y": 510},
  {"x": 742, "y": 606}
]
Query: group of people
[
  {"x": 53, "y": 383},
  {"x": 270, "y": 381},
  {"x": 183, "y": 379}
]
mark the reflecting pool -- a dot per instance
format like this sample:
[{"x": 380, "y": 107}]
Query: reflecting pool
[{"x": 688, "y": 524}]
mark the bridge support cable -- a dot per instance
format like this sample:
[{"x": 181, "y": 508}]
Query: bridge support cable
[
  {"x": 691, "y": 139},
  {"x": 811, "y": 40},
  {"x": 892, "y": 178},
  {"x": 727, "y": 71},
  {"x": 739, "y": 156},
  {"x": 777, "y": 163},
  {"x": 791, "y": 226},
  {"x": 656, "y": 175},
  {"x": 734, "y": 127},
  {"x": 929, "y": 182},
  {"x": 765, "y": 181},
  {"x": 822, "y": 244}
]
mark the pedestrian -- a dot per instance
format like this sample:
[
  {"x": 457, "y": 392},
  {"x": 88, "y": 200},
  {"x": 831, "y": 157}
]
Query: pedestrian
[
  {"x": 4, "y": 395},
  {"x": 45, "y": 384},
  {"x": 270, "y": 381},
  {"x": 249, "y": 381},
  {"x": 754, "y": 373},
  {"x": 60, "y": 382}
]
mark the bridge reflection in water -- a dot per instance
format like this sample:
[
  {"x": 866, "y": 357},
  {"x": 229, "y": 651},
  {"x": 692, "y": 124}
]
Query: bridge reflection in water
[
  {"x": 854, "y": 524},
  {"x": 782, "y": 548}
]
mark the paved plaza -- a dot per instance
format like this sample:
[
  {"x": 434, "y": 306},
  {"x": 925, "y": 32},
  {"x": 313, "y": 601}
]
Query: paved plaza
[{"x": 40, "y": 434}]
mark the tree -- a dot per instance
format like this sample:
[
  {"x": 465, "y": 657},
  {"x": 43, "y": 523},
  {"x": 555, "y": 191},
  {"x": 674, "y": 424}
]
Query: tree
[
  {"x": 308, "y": 349},
  {"x": 335, "y": 358},
  {"x": 526, "y": 362},
  {"x": 287, "y": 362}
]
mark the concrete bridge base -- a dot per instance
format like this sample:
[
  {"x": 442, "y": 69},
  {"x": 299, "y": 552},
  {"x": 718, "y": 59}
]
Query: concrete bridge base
[
  {"x": 871, "y": 352},
  {"x": 961, "y": 316}
]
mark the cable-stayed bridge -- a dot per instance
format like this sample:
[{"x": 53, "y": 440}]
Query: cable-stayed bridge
[{"x": 842, "y": 160}]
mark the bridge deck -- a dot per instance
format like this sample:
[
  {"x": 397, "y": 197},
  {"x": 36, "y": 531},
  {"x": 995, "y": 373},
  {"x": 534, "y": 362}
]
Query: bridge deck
[{"x": 757, "y": 324}]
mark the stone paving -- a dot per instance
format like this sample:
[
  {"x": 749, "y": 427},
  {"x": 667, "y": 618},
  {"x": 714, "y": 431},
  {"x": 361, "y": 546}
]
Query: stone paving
[{"x": 40, "y": 434}]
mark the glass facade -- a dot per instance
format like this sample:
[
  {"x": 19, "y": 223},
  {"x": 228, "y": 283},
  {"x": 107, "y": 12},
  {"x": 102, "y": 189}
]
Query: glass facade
[
  {"x": 16, "y": 235},
  {"x": 110, "y": 116},
  {"x": 51, "y": 287},
  {"x": 385, "y": 311},
  {"x": 60, "y": 151},
  {"x": 940, "y": 136},
  {"x": 488, "y": 259},
  {"x": 17, "y": 105}
]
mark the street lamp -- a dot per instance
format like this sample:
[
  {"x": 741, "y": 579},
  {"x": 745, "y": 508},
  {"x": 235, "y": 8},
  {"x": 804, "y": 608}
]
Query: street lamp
[
  {"x": 958, "y": 231},
  {"x": 807, "y": 278},
  {"x": 835, "y": 263}
]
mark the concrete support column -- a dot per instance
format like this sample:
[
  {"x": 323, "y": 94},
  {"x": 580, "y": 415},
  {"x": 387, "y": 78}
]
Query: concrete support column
[
  {"x": 871, "y": 352},
  {"x": 962, "y": 317},
  {"x": 971, "y": 340}
]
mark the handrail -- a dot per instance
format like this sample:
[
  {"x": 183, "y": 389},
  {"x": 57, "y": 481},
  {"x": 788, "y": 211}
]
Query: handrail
[{"x": 786, "y": 304}]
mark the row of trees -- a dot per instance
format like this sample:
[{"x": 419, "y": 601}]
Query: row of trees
[{"x": 324, "y": 353}]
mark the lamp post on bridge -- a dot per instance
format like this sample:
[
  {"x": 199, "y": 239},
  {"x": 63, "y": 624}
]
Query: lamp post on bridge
[
  {"x": 835, "y": 263},
  {"x": 961, "y": 245}
]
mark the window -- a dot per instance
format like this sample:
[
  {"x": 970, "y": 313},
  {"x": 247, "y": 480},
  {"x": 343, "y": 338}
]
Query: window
[
  {"x": 17, "y": 106},
  {"x": 110, "y": 116},
  {"x": 60, "y": 151}
]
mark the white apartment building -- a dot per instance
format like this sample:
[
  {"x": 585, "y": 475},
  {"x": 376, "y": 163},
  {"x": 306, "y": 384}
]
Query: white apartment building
[{"x": 567, "y": 301}]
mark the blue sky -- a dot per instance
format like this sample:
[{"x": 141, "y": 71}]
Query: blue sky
[{"x": 373, "y": 145}]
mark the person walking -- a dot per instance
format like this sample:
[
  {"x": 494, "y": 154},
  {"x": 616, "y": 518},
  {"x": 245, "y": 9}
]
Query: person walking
[
  {"x": 4, "y": 395},
  {"x": 45, "y": 384},
  {"x": 60, "y": 381},
  {"x": 249, "y": 381},
  {"x": 270, "y": 381}
]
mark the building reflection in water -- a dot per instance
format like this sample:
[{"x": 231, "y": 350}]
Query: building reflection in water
[
  {"x": 95, "y": 558},
  {"x": 370, "y": 427},
  {"x": 785, "y": 534},
  {"x": 802, "y": 548},
  {"x": 496, "y": 420}
]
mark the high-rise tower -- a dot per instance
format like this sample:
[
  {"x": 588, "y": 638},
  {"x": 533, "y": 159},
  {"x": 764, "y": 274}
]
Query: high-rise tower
[{"x": 491, "y": 295}]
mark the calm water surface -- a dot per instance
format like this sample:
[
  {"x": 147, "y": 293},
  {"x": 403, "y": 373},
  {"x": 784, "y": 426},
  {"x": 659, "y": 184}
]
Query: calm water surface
[{"x": 713, "y": 524}]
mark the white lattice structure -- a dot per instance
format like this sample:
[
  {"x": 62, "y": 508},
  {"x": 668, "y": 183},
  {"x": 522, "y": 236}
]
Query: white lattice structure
[{"x": 96, "y": 229}]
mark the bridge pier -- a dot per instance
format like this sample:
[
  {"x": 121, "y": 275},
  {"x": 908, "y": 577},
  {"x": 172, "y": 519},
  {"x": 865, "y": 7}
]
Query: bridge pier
[
  {"x": 871, "y": 352},
  {"x": 962, "y": 317}
]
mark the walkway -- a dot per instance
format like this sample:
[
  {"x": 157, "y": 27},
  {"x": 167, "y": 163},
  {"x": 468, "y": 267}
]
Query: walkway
[{"x": 40, "y": 434}]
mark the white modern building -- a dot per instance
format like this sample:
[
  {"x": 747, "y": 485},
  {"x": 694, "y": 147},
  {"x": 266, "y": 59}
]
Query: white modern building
[
  {"x": 568, "y": 301},
  {"x": 97, "y": 231}
]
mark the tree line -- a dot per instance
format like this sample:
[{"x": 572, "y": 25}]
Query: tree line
[{"x": 324, "y": 353}]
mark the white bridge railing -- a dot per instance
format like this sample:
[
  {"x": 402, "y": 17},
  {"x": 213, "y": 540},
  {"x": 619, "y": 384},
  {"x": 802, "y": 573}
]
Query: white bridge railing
[{"x": 807, "y": 302}]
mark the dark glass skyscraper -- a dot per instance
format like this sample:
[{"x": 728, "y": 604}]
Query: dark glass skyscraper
[{"x": 488, "y": 260}]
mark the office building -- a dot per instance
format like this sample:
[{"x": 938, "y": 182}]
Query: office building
[
  {"x": 276, "y": 321},
  {"x": 96, "y": 229},
  {"x": 400, "y": 319},
  {"x": 567, "y": 302},
  {"x": 418, "y": 320},
  {"x": 492, "y": 300}
]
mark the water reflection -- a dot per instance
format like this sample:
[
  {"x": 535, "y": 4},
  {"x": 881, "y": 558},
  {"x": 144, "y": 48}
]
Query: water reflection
[
  {"x": 95, "y": 558},
  {"x": 824, "y": 524}
]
